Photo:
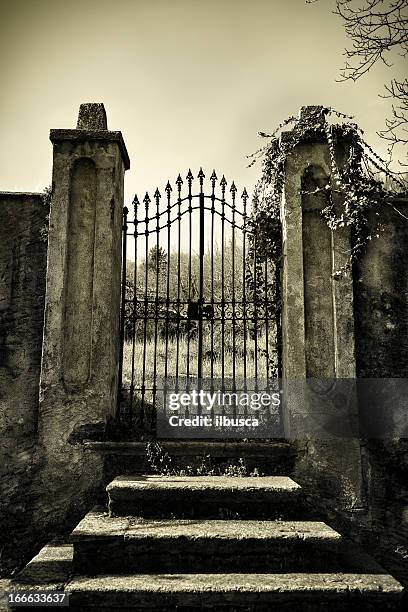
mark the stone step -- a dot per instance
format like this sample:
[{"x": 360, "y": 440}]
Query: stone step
[
  {"x": 52, "y": 569},
  {"x": 204, "y": 496},
  {"x": 256, "y": 592},
  {"x": 105, "y": 544}
]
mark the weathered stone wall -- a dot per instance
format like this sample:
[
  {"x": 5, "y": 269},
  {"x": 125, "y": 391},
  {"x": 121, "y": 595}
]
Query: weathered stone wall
[
  {"x": 59, "y": 335},
  {"x": 79, "y": 375},
  {"x": 318, "y": 330},
  {"x": 352, "y": 326},
  {"x": 381, "y": 324},
  {"x": 381, "y": 297},
  {"x": 23, "y": 254}
]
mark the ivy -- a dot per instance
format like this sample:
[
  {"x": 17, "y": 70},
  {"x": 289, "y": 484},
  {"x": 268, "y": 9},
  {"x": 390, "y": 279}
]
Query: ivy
[
  {"x": 359, "y": 181},
  {"x": 46, "y": 197},
  {"x": 364, "y": 183}
]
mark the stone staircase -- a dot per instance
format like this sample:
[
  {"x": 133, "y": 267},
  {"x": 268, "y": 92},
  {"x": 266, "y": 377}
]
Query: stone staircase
[{"x": 208, "y": 542}]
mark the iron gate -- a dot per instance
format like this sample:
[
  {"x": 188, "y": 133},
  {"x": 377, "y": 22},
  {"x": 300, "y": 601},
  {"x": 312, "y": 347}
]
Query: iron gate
[{"x": 196, "y": 294}]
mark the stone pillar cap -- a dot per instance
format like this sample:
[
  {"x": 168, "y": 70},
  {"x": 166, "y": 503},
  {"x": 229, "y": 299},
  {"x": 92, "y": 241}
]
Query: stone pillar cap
[
  {"x": 304, "y": 113},
  {"x": 92, "y": 116},
  {"x": 92, "y": 126},
  {"x": 311, "y": 110}
]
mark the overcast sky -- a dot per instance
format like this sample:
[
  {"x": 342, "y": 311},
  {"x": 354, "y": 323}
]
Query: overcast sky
[{"x": 188, "y": 82}]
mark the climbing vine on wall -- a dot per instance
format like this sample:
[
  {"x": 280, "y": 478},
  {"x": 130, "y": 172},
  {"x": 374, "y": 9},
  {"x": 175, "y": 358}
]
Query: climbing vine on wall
[
  {"x": 46, "y": 196},
  {"x": 363, "y": 180}
]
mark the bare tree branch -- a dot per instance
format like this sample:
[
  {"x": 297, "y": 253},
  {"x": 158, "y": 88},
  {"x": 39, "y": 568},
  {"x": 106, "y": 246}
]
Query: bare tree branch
[
  {"x": 396, "y": 130},
  {"x": 376, "y": 28}
]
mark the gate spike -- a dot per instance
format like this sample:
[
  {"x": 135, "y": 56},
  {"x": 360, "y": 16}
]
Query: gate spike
[
  {"x": 233, "y": 189},
  {"x": 157, "y": 194},
  {"x": 213, "y": 177},
  {"x": 223, "y": 181},
  {"x": 135, "y": 201},
  {"x": 168, "y": 187},
  {"x": 190, "y": 176},
  {"x": 201, "y": 176},
  {"x": 146, "y": 200},
  {"x": 244, "y": 195},
  {"x": 179, "y": 181}
]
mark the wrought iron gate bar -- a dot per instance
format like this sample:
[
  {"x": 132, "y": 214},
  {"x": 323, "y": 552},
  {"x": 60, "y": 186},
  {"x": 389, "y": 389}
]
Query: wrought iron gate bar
[
  {"x": 201, "y": 176},
  {"x": 192, "y": 209},
  {"x": 157, "y": 196},
  {"x": 213, "y": 179},
  {"x": 223, "y": 184},
  {"x": 266, "y": 320},
  {"x": 179, "y": 184},
  {"x": 202, "y": 311},
  {"x": 187, "y": 199},
  {"x": 189, "y": 181},
  {"x": 175, "y": 301},
  {"x": 168, "y": 192},
  {"x": 146, "y": 201},
  {"x": 132, "y": 383},
  {"x": 244, "y": 300}
]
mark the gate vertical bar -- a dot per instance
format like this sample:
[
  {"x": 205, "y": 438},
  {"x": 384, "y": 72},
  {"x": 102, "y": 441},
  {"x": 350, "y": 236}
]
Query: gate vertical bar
[
  {"x": 157, "y": 197},
  {"x": 146, "y": 201},
  {"x": 134, "y": 314},
  {"x": 278, "y": 317},
  {"x": 190, "y": 213},
  {"x": 212, "y": 355},
  {"x": 179, "y": 183},
  {"x": 123, "y": 303},
  {"x": 266, "y": 320},
  {"x": 201, "y": 176},
  {"x": 233, "y": 193},
  {"x": 233, "y": 190},
  {"x": 255, "y": 304},
  {"x": 244, "y": 281},
  {"x": 223, "y": 184},
  {"x": 166, "y": 362}
]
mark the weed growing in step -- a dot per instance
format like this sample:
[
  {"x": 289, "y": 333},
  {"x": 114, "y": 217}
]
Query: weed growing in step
[{"x": 161, "y": 463}]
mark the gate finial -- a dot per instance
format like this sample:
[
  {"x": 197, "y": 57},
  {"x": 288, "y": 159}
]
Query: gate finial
[
  {"x": 201, "y": 176},
  {"x": 223, "y": 184},
  {"x": 146, "y": 200}
]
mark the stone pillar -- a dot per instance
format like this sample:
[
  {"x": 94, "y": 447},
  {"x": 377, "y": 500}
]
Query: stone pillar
[
  {"x": 318, "y": 327},
  {"x": 79, "y": 376}
]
